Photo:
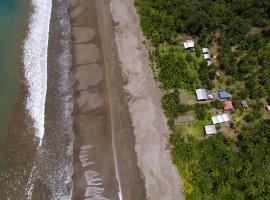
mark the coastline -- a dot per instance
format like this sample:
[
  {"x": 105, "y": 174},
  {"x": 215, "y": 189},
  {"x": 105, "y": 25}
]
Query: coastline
[
  {"x": 103, "y": 150},
  {"x": 162, "y": 180},
  {"x": 117, "y": 86}
]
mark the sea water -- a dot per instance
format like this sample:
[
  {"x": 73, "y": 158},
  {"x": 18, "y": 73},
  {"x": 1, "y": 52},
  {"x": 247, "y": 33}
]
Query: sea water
[
  {"x": 12, "y": 22},
  {"x": 35, "y": 100}
]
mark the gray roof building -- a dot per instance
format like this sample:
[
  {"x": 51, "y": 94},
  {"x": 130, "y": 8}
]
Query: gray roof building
[
  {"x": 210, "y": 130},
  {"x": 201, "y": 94}
]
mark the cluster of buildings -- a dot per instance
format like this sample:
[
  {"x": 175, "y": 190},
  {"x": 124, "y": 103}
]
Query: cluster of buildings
[
  {"x": 190, "y": 45},
  {"x": 203, "y": 95}
]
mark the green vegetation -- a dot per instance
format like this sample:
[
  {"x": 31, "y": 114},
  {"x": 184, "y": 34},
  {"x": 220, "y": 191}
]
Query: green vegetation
[{"x": 238, "y": 34}]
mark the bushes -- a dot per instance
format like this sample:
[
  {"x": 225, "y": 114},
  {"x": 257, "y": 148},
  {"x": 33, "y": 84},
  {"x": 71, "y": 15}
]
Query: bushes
[
  {"x": 172, "y": 106},
  {"x": 201, "y": 111},
  {"x": 217, "y": 104}
]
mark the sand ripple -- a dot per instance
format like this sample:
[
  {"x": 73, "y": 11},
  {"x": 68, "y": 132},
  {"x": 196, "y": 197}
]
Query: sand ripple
[
  {"x": 86, "y": 53},
  {"x": 88, "y": 75},
  {"x": 82, "y": 34}
]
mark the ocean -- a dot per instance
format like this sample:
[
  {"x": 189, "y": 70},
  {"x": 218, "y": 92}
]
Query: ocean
[
  {"x": 36, "y": 143},
  {"x": 12, "y": 22}
]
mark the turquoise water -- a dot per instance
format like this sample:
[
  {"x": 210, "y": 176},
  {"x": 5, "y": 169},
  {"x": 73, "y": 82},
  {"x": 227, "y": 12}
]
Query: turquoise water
[{"x": 12, "y": 24}]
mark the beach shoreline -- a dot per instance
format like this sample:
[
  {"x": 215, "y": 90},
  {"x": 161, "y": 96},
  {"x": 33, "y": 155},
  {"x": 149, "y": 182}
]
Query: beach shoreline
[
  {"x": 162, "y": 180},
  {"x": 117, "y": 86},
  {"x": 104, "y": 145}
]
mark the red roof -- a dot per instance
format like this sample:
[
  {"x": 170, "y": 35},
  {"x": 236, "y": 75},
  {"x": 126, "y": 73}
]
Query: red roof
[{"x": 228, "y": 105}]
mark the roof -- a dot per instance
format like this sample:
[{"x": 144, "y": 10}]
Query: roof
[
  {"x": 244, "y": 104},
  {"x": 268, "y": 107},
  {"x": 207, "y": 56},
  {"x": 220, "y": 119},
  {"x": 201, "y": 94},
  {"x": 205, "y": 50},
  {"x": 209, "y": 62},
  {"x": 223, "y": 94},
  {"x": 210, "y": 129},
  {"x": 189, "y": 44},
  {"x": 228, "y": 105}
]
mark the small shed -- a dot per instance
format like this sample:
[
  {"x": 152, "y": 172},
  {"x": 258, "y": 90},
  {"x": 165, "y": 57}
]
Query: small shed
[
  {"x": 244, "y": 104},
  {"x": 205, "y": 51},
  {"x": 224, "y": 94},
  {"x": 228, "y": 105},
  {"x": 201, "y": 94},
  {"x": 206, "y": 56},
  {"x": 220, "y": 119},
  {"x": 189, "y": 45},
  {"x": 268, "y": 108},
  {"x": 209, "y": 63},
  {"x": 210, "y": 130}
]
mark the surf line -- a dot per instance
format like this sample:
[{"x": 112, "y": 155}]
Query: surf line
[
  {"x": 35, "y": 55},
  {"x": 35, "y": 63}
]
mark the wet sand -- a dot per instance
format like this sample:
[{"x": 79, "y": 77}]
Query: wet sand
[
  {"x": 104, "y": 153},
  {"x": 120, "y": 129}
]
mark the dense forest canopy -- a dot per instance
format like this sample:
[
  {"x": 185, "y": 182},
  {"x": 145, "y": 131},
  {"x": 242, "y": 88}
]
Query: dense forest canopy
[{"x": 217, "y": 167}]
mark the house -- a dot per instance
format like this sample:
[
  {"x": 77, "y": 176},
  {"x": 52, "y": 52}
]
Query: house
[
  {"x": 244, "y": 104},
  {"x": 201, "y": 94},
  {"x": 210, "y": 96},
  {"x": 268, "y": 108},
  {"x": 228, "y": 105},
  {"x": 210, "y": 130},
  {"x": 220, "y": 119},
  {"x": 224, "y": 94},
  {"x": 189, "y": 45},
  {"x": 207, "y": 57},
  {"x": 205, "y": 51}
]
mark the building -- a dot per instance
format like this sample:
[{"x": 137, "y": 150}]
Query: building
[
  {"x": 209, "y": 63},
  {"x": 224, "y": 94},
  {"x": 220, "y": 119},
  {"x": 210, "y": 130},
  {"x": 228, "y": 105},
  {"x": 244, "y": 104},
  {"x": 268, "y": 108},
  {"x": 189, "y": 45},
  {"x": 207, "y": 57},
  {"x": 201, "y": 94},
  {"x": 205, "y": 51}
]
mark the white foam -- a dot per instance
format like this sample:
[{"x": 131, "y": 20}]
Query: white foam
[{"x": 35, "y": 63}]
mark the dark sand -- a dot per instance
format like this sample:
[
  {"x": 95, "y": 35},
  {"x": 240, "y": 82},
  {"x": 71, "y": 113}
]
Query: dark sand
[{"x": 104, "y": 147}]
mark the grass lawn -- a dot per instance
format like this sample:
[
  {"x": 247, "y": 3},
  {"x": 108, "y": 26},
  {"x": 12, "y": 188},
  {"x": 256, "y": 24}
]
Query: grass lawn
[{"x": 196, "y": 128}]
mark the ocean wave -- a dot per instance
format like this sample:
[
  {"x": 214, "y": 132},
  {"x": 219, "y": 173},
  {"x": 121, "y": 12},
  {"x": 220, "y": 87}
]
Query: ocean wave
[{"x": 35, "y": 63}]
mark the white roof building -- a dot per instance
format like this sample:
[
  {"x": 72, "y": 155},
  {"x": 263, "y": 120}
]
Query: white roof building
[
  {"x": 210, "y": 130},
  {"x": 189, "y": 44},
  {"x": 209, "y": 63},
  {"x": 207, "y": 56},
  {"x": 201, "y": 94},
  {"x": 205, "y": 51},
  {"x": 220, "y": 119}
]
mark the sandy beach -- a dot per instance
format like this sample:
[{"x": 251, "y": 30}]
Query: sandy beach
[
  {"x": 120, "y": 130},
  {"x": 150, "y": 129}
]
